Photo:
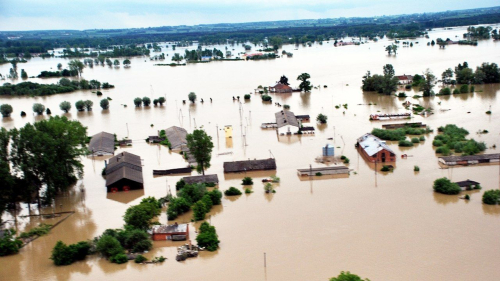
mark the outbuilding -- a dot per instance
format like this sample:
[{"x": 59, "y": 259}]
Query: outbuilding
[
  {"x": 173, "y": 232},
  {"x": 102, "y": 144},
  {"x": 375, "y": 149},
  {"x": 124, "y": 173},
  {"x": 287, "y": 123}
]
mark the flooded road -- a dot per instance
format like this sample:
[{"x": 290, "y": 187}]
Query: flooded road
[{"x": 383, "y": 226}]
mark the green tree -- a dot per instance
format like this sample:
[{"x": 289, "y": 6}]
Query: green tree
[
  {"x": 177, "y": 58},
  {"x": 305, "y": 85},
  {"x": 199, "y": 210},
  {"x": 24, "y": 75},
  {"x": 5, "y": 110},
  {"x": 216, "y": 196},
  {"x": 177, "y": 206},
  {"x": 490, "y": 197},
  {"x": 109, "y": 246},
  {"x": 322, "y": 118},
  {"x": 192, "y": 97},
  {"x": 207, "y": 237},
  {"x": 38, "y": 108},
  {"x": 62, "y": 254},
  {"x": 192, "y": 192},
  {"x": 80, "y": 105},
  {"x": 347, "y": 276},
  {"x": 76, "y": 65},
  {"x": 9, "y": 244},
  {"x": 109, "y": 62},
  {"x": 65, "y": 106},
  {"x": 140, "y": 216},
  {"x": 104, "y": 103},
  {"x": 146, "y": 101},
  {"x": 390, "y": 82},
  {"x": 447, "y": 76},
  {"x": 200, "y": 146},
  {"x": 428, "y": 84},
  {"x": 126, "y": 62},
  {"x": 161, "y": 100},
  {"x": 88, "y": 104},
  {"x": 137, "y": 102},
  {"x": 445, "y": 186},
  {"x": 116, "y": 62}
]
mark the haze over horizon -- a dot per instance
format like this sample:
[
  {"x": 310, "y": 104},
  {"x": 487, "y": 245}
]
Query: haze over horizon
[{"x": 18, "y": 15}]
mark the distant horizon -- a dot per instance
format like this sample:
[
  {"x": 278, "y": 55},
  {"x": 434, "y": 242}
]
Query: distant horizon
[{"x": 80, "y": 15}]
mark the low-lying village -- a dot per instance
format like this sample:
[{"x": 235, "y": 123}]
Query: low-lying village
[{"x": 210, "y": 173}]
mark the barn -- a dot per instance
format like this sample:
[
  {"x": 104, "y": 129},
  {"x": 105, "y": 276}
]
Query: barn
[
  {"x": 174, "y": 232},
  {"x": 374, "y": 149},
  {"x": 124, "y": 173},
  {"x": 102, "y": 144},
  {"x": 287, "y": 123}
]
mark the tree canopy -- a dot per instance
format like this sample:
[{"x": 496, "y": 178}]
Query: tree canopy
[
  {"x": 200, "y": 146},
  {"x": 305, "y": 84}
]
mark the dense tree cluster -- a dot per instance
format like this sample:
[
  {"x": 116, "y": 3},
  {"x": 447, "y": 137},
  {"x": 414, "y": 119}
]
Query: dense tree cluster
[
  {"x": 195, "y": 197},
  {"x": 445, "y": 186},
  {"x": 453, "y": 138},
  {"x": 486, "y": 73},
  {"x": 382, "y": 84},
  {"x": 64, "y": 86},
  {"x": 207, "y": 237}
]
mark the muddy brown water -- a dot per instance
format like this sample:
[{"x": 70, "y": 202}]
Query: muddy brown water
[{"x": 384, "y": 226}]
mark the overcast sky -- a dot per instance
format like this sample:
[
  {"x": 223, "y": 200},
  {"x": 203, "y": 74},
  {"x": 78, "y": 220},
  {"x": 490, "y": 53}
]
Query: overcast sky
[{"x": 89, "y": 14}]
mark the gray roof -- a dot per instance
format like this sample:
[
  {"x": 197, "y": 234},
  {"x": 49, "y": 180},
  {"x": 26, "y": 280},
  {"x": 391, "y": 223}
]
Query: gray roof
[
  {"x": 321, "y": 169},
  {"x": 470, "y": 157},
  {"x": 372, "y": 145},
  {"x": 466, "y": 183},
  {"x": 249, "y": 165},
  {"x": 102, "y": 142},
  {"x": 306, "y": 116},
  {"x": 176, "y": 136},
  {"x": 173, "y": 228},
  {"x": 124, "y": 173},
  {"x": 124, "y": 159},
  {"x": 201, "y": 179},
  {"x": 286, "y": 117}
]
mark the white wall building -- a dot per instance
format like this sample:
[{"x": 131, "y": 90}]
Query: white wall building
[{"x": 287, "y": 123}]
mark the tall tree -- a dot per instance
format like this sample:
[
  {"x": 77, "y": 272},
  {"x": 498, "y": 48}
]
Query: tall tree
[
  {"x": 200, "y": 146},
  {"x": 177, "y": 57},
  {"x": 390, "y": 82},
  {"x": 428, "y": 84},
  {"x": 305, "y": 85},
  {"x": 76, "y": 65}
]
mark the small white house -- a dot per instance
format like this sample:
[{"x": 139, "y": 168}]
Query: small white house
[{"x": 287, "y": 123}]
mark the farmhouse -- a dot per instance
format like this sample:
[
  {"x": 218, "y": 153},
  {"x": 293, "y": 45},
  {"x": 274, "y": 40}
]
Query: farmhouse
[
  {"x": 287, "y": 123},
  {"x": 280, "y": 88},
  {"x": 468, "y": 185},
  {"x": 102, "y": 144},
  {"x": 375, "y": 149},
  {"x": 174, "y": 232},
  {"x": 124, "y": 173},
  {"x": 405, "y": 79}
]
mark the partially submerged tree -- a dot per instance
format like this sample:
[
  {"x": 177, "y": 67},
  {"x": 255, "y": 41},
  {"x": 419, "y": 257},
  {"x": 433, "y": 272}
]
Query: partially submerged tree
[
  {"x": 200, "y": 146},
  {"x": 76, "y": 65},
  {"x": 322, "y": 118},
  {"x": 137, "y": 102},
  {"x": 65, "y": 106},
  {"x": 38, "y": 108},
  {"x": 428, "y": 84},
  {"x": 192, "y": 96},
  {"x": 104, "y": 103},
  {"x": 305, "y": 84},
  {"x": 6, "y": 110}
]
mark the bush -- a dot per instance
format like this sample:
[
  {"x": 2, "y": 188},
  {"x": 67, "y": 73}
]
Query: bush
[
  {"x": 286, "y": 106},
  {"x": 472, "y": 89},
  {"x": 321, "y": 118},
  {"x": 232, "y": 191},
  {"x": 491, "y": 197},
  {"x": 23, "y": 113},
  {"x": 445, "y": 91},
  {"x": 437, "y": 143},
  {"x": 180, "y": 184},
  {"x": 109, "y": 246},
  {"x": 119, "y": 258},
  {"x": 422, "y": 138},
  {"x": 247, "y": 181},
  {"x": 456, "y": 91},
  {"x": 137, "y": 102},
  {"x": 99, "y": 93},
  {"x": 9, "y": 244},
  {"x": 445, "y": 186},
  {"x": 248, "y": 190},
  {"x": 401, "y": 95},
  {"x": 140, "y": 259},
  {"x": 146, "y": 101},
  {"x": 140, "y": 216},
  {"x": 467, "y": 197},
  {"x": 207, "y": 237},
  {"x": 443, "y": 150},
  {"x": 266, "y": 98},
  {"x": 64, "y": 255},
  {"x": 416, "y": 168},
  {"x": 408, "y": 87},
  {"x": 347, "y": 276},
  {"x": 80, "y": 105},
  {"x": 40, "y": 230},
  {"x": 385, "y": 168},
  {"x": 464, "y": 89},
  {"x": 247, "y": 96},
  {"x": 415, "y": 140},
  {"x": 192, "y": 192},
  {"x": 199, "y": 210},
  {"x": 405, "y": 143},
  {"x": 319, "y": 174}
]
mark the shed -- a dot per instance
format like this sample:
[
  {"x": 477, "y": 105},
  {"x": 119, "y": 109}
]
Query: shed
[
  {"x": 202, "y": 179},
  {"x": 334, "y": 170},
  {"x": 174, "y": 232},
  {"x": 375, "y": 149},
  {"x": 102, "y": 144},
  {"x": 250, "y": 165},
  {"x": 470, "y": 159},
  {"x": 176, "y": 136},
  {"x": 287, "y": 123},
  {"x": 303, "y": 118}
]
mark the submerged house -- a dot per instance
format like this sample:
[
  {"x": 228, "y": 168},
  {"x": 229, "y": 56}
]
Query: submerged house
[
  {"x": 280, "y": 88},
  {"x": 287, "y": 123},
  {"x": 102, "y": 144},
  {"x": 124, "y": 173},
  {"x": 468, "y": 185},
  {"x": 174, "y": 232},
  {"x": 176, "y": 136},
  {"x": 375, "y": 149},
  {"x": 405, "y": 79}
]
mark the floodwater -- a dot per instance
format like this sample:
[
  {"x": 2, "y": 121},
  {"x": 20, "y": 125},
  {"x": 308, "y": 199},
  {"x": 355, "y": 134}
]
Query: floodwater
[{"x": 383, "y": 226}]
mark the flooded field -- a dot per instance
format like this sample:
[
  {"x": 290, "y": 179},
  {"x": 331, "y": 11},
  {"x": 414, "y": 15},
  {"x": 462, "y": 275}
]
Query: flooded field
[{"x": 383, "y": 226}]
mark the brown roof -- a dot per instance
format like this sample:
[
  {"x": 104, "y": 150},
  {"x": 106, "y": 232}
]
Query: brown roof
[
  {"x": 124, "y": 173},
  {"x": 280, "y": 86},
  {"x": 176, "y": 136},
  {"x": 102, "y": 142},
  {"x": 249, "y": 165},
  {"x": 124, "y": 159}
]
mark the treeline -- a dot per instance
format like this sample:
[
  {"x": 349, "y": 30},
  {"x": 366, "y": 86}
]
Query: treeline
[
  {"x": 62, "y": 73},
  {"x": 63, "y": 86},
  {"x": 452, "y": 138},
  {"x": 120, "y": 51},
  {"x": 196, "y": 55},
  {"x": 486, "y": 73}
]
